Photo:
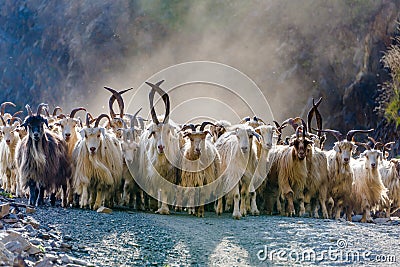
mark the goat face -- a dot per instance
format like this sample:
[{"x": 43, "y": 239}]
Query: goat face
[
  {"x": 197, "y": 141},
  {"x": 245, "y": 138},
  {"x": 68, "y": 126},
  {"x": 372, "y": 158},
  {"x": 302, "y": 147},
  {"x": 9, "y": 133},
  {"x": 93, "y": 137},
  {"x": 129, "y": 150},
  {"x": 35, "y": 127},
  {"x": 267, "y": 134},
  {"x": 160, "y": 132},
  {"x": 345, "y": 150}
]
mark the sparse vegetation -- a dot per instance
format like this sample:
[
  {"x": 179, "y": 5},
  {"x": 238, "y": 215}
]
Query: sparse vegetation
[{"x": 392, "y": 61}]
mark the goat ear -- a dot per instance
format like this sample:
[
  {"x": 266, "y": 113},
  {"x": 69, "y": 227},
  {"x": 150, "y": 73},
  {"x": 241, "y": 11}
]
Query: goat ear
[
  {"x": 362, "y": 154},
  {"x": 380, "y": 155},
  {"x": 150, "y": 135},
  {"x": 103, "y": 131},
  {"x": 386, "y": 155}
]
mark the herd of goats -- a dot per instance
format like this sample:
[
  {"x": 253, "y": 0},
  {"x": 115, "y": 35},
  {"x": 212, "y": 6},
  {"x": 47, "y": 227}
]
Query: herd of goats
[{"x": 96, "y": 164}]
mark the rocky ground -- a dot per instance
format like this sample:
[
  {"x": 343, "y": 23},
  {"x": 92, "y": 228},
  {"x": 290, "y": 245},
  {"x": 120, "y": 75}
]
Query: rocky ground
[{"x": 53, "y": 236}]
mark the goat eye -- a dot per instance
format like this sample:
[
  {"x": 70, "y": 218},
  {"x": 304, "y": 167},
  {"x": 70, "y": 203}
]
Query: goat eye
[{"x": 98, "y": 136}]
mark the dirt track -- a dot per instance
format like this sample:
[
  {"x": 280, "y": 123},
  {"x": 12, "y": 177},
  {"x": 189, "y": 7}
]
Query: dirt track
[{"x": 137, "y": 239}]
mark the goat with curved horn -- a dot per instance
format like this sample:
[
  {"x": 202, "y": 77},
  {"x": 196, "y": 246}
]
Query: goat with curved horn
[
  {"x": 188, "y": 126},
  {"x": 351, "y": 133},
  {"x": 116, "y": 96},
  {"x": 42, "y": 106},
  {"x": 338, "y": 135},
  {"x": 29, "y": 110},
  {"x": 4, "y": 105},
  {"x": 55, "y": 110},
  {"x": 314, "y": 110},
  {"x": 17, "y": 113},
  {"x": 101, "y": 116},
  {"x": 165, "y": 97},
  {"x": 204, "y": 124},
  {"x": 75, "y": 110}
]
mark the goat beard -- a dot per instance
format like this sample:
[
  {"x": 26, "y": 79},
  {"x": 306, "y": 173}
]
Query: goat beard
[{"x": 38, "y": 153}]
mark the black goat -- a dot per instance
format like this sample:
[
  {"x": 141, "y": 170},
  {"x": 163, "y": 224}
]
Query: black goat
[{"x": 42, "y": 160}]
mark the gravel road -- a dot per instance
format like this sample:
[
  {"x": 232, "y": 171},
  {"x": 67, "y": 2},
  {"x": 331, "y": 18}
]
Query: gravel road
[{"x": 125, "y": 238}]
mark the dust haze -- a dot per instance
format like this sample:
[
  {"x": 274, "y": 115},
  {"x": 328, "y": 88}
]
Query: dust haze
[{"x": 272, "y": 42}]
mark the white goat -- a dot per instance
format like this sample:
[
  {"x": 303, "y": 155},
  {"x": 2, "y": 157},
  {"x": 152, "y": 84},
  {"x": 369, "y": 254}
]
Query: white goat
[
  {"x": 368, "y": 189},
  {"x": 200, "y": 165},
  {"x": 390, "y": 173},
  {"x": 159, "y": 144},
  {"x": 340, "y": 173},
  {"x": 7, "y": 157},
  {"x": 238, "y": 164},
  {"x": 97, "y": 160}
]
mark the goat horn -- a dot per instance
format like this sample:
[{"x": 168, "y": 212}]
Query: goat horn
[
  {"x": 338, "y": 135},
  {"x": 55, "y": 110},
  {"x": 17, "y": 113},
  {"x": 351, "y": 133},
  {"x": 386, "y": 146},
  {"x": 116, "y": 96},
  {"x": 188, "y": 126},
  {"x": 378, "y": 145},
  {"x": 15, "y": 119},
  {"x": 164, "y": 96},
  {"x": 96, "y": 124},
  {"x": 88, "y": 117},
  {"x": 365, "y": 145},
  {"x": 28, "y": 108},
  {"x": 134, "y": 120},
  {"x": 41, "y": 106},
  {"x": 245, "y": 119},
  {"x": 4, "y": 105},
  {"x": 152, "y": 109},
  {"x": 61, "y": 116},
  {"x": 75, "y": 110},
  {"x": 2, "y": 120},
  {"x": 372, "y": 139},
  {"x": 204, "y": 124}
]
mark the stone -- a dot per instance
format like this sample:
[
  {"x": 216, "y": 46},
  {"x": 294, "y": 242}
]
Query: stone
[
  {"x": 34, "y": 250},
  {"x": 14, "y": 247},
  {"x": 104, "y": 210},
  {"x": 36, "y": 242},
  {"x": 29, "y": 228},
  {"x": 51, "y": 257},
  {"x": 17, "y": 225},
  {"x": 65, "y": 245},
  {"x": 6, "y": 257},
  {"x": 44, "y": 263},
  {"x": 44, "y": 236},
  {"x": 34, "y": 223},
  {"x": 356, "y": 218},
  {"x": 11, "y": 236},
  {"x": 10, "y": 220},
  {"x": 30, "y": 210},
  {"x": 4, "y": 210},
  {"x": 79, "y": 262},
  {"x": 1, "y": 225},
  {"x": 19, "y": 262},
  {"x": 382, "y": 220},
  {"x": 65, "y": 259}
]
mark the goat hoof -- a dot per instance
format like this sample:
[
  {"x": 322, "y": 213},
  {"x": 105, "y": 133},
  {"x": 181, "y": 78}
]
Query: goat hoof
[
  {"x": 255, "y": 212},
  {"x": 163, "y": 211},
  {"x": 236, "y": 215}
]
